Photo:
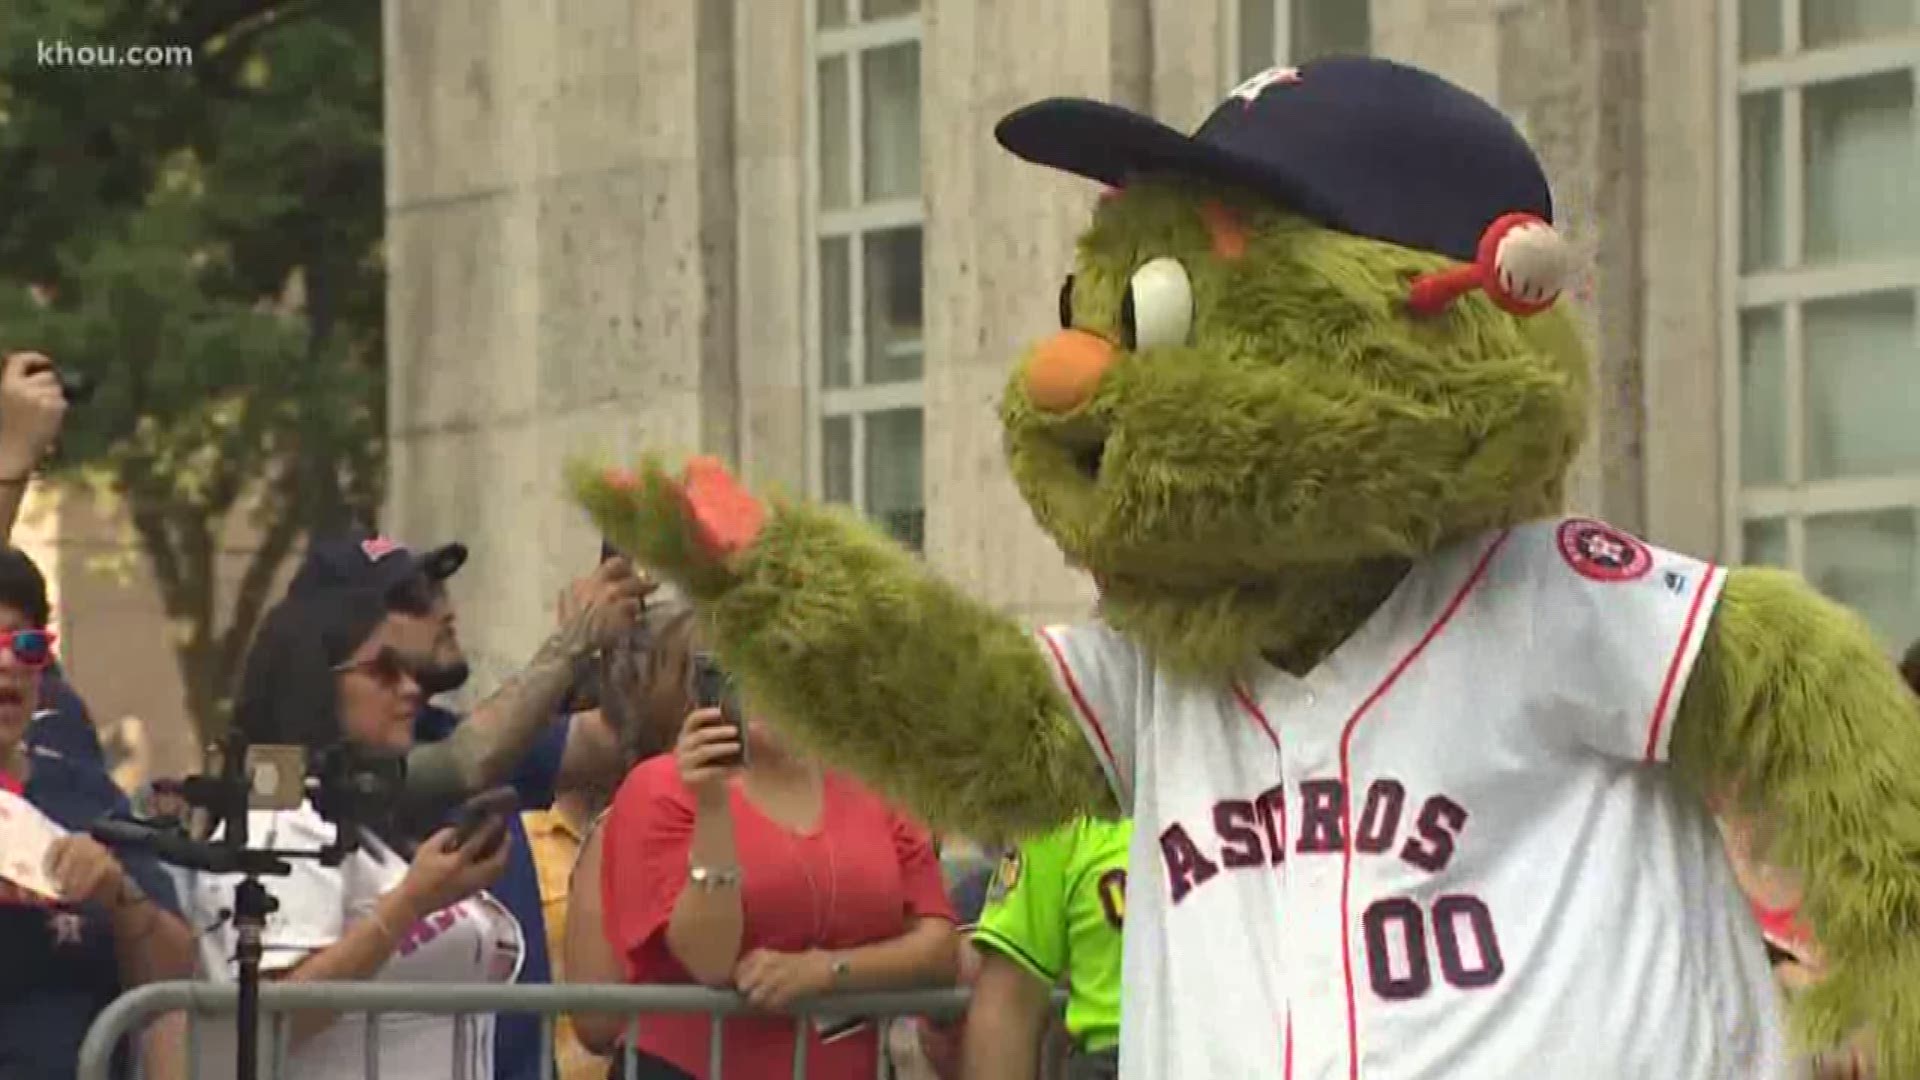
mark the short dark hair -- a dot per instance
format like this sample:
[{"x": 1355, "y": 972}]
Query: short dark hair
[
  {"x": 1910, "y": 666},
  {"x": 23, "y": 587},
  {"x": 288, "y": 692}
]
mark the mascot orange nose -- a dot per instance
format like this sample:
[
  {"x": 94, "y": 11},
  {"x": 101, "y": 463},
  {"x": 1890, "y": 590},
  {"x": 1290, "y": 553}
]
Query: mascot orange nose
[{"x": 1066, "y": 369}]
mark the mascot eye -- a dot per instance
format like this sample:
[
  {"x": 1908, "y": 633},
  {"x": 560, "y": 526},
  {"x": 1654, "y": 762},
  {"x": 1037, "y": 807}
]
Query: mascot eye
[
  {"x": 1066, "y": 303},
  {"x": 1158, "y": 310}
]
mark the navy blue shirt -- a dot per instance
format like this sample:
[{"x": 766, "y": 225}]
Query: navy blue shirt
[
  {"x": 516, "y": 1038},
  {"x": 63, "y": 724},
  {"x": 59, "y": 969}
]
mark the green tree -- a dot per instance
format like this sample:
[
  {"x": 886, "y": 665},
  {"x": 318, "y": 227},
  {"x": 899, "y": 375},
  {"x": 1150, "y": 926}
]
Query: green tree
[{"x": 203, "y": 242}]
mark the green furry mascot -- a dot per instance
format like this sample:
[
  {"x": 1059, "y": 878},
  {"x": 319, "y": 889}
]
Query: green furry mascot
[{"x": 1418, "y": 765}]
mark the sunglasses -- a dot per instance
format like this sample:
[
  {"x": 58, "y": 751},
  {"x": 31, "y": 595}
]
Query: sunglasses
[
  {"x": 30, "y": 648},
  {"x": 386, "y": 667}
]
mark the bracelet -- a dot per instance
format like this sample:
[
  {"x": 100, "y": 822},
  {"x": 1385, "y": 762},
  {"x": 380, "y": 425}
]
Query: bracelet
[
  {"x": 710, "y": 879},
  {"x": 16, "y": 481},
  {"x": 379, "y": 922}
]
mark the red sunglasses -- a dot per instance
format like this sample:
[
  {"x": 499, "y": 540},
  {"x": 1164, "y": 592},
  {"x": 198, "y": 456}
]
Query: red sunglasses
[{"x": 31, "y": 647}]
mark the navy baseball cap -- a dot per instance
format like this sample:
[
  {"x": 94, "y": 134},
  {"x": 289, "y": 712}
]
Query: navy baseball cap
[
  {"x": 1359, "y": 145},
  {"x": 368, "y": 561}
]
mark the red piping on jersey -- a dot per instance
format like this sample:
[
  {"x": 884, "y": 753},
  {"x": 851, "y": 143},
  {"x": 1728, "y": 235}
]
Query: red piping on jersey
[
  {"x": 1246, "y": 702},
  {"x": 1086, "y": 711},
  {"x": 1289, "y": 1044},
  {"x": 1346, "y": 788},
  {"x": 1659, "y": 721}
]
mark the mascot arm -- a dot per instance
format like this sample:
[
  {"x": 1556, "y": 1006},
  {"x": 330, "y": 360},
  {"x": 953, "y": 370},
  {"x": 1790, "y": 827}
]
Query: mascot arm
[
  {"x": 937, "y": 702},
  {"x": 1795, "y": 710}
]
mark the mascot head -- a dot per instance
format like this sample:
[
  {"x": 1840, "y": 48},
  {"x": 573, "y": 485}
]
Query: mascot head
[{"x": 1298, "y": 350}]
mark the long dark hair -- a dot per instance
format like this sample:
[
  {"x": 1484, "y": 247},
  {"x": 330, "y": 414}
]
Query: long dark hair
[{"x": 289, "y": 691}]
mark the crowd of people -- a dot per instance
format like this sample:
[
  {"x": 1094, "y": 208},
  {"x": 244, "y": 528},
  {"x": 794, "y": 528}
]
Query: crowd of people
[{"x": 652, "y": 837}]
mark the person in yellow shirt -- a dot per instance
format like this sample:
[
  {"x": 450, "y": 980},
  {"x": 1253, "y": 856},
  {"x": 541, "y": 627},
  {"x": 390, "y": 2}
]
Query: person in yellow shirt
[{"x": 554, "y": 834}]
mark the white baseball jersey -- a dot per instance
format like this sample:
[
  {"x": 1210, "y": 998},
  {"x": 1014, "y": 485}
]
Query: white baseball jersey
[
  {"x": 475, "y": 940},
  {"x": 1451, "y": 850}
]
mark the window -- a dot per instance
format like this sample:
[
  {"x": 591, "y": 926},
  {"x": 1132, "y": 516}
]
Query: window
[
  {"x": 1266, "y": 33},
  {"x": 867, "y": 350},
  {"x": 1821, "y": 251}
]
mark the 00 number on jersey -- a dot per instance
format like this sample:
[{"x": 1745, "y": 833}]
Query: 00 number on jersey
[{"x": 1404, "y": 942}]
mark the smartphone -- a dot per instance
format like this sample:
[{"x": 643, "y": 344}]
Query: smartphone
[
  {"x": 713, "y": 689},
  {"x": 484, "y": 815}
]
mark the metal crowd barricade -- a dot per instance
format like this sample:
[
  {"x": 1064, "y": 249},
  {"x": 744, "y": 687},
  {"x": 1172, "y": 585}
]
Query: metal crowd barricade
[{"x": 124, "y": 1019}]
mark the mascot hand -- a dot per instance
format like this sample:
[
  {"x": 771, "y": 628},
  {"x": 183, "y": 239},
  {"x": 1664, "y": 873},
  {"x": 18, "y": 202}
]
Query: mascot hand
[{"x": 689, "y": 527}]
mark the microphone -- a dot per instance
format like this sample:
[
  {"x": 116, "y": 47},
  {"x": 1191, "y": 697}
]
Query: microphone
[{"x": 169, "y": 846}]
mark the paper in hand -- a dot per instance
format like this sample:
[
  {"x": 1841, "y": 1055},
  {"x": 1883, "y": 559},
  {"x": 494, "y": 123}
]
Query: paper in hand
[{"x": 25, "y": 836}]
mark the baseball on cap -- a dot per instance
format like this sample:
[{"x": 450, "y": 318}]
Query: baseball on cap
[
  {"x": 1358, "y": 145},
  {"x": 365, "y": 560}
]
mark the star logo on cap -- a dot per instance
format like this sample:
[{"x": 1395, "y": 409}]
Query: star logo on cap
[
  {"x": 378, "y": 548},
  {"x": 65, "y": 927},
  {"x": 1251, "y": 90}
]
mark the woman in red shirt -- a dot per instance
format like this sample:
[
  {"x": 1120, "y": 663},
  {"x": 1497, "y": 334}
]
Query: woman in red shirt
[{"x": 781, "y": 880}]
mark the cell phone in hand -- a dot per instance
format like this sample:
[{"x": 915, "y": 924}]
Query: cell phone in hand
[
  {"x": 713, "y": 689},
  {"x": 484, "y": 816}
]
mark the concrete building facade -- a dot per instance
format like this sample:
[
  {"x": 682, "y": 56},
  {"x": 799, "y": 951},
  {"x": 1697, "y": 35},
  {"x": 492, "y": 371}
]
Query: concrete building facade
[{"x": 780, "y": 231}]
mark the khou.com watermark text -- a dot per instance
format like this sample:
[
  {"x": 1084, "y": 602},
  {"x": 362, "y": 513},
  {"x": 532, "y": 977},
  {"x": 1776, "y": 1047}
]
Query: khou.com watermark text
[{"x": 61, "y": 54}]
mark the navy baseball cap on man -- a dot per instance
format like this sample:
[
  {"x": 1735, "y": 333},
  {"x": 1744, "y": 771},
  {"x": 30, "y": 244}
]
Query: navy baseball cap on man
[
  {"x": 367, "y": 561},
  {"x": 1363, "y": 146}
]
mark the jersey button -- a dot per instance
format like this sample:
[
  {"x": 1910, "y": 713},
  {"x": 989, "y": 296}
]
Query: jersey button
[{"x": 1310, "y": 699}]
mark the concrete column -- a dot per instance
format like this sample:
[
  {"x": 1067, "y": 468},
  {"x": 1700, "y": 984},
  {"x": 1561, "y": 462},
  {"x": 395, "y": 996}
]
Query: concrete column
[
  {"x": 774, "y": 257},
  {"x": 1000, "y": 236},
  {"x": 561, "y": 235},
  {"x": 1680, "y": 236}
]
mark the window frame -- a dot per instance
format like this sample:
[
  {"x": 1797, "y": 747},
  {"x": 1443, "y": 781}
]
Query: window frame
[
  {"x": 1793, "y": 285},
  {"x": 852, "y": 224}
]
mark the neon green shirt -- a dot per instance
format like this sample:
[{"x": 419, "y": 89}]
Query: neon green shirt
[{"x": 1055, "y": 908}]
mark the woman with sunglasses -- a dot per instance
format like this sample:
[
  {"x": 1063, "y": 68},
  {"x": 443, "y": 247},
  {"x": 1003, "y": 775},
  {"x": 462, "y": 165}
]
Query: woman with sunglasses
[
  {"x": 88, "y": 923},
  {"x": 324, "y": 671}
]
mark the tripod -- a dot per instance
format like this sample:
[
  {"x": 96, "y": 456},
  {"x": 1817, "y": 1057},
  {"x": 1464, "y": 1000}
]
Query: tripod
[{"x": 227, "y": 795}]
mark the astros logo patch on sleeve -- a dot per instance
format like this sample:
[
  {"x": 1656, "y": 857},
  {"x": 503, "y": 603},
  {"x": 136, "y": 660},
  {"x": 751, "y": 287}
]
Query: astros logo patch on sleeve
[
  {"x": 1005, "y": 877},
  {"x": 1601, "y": 552}
]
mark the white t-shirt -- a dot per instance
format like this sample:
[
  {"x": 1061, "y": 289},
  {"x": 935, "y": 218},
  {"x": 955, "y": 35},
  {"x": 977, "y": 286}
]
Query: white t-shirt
[
  {"x": 476, "y": 940},
  {"x": 1452, "y": 849}
]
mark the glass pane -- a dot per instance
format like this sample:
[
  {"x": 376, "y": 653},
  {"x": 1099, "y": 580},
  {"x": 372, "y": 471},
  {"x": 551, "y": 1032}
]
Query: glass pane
[
  {"x": 1760, "y": 173},
  {"x": 894, "y": 442},
  {"x": 887, "y": 9},
  {"x": 1760, "y": 23},
  {"x": 1330, "y": 28},
  {"x": 1838, "y": 22},
  {"x": 836, "y": 166},
  {"x": 894, "y": 315},
  {"x": 1860, "y": 165},
  {"x": 831, "y": 13},
  {"x": 1862, "y": 375},
  {"x": 890, "y": 121},
  {"x": 1764, "y": 543},
  {"x": 1257, "y": 24},
  {"x": 836, "y": 459},
  {"x": 1866, "y": 561},
  {"x": 836, "y": 313},
  {"x": 1763, "y": 397}
]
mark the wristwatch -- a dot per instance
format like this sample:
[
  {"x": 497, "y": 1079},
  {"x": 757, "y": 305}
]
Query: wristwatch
[
  {"x": 838, "y": 969},
  {"x": 710, "y": 879}
]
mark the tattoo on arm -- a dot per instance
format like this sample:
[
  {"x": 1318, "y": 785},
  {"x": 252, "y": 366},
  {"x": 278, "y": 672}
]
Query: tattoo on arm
[{"x": 501, "y": 728}]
